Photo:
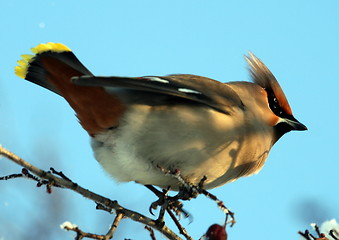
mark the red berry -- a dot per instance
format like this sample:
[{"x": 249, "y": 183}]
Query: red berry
[{"x": 216, "y": 232}]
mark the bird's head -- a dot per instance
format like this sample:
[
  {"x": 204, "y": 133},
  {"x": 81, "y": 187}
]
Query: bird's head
[{"x": 281, "y": 117}]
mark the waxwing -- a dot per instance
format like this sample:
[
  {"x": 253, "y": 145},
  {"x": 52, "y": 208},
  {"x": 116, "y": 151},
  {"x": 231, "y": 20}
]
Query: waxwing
[{"x": 141, "y": 125}]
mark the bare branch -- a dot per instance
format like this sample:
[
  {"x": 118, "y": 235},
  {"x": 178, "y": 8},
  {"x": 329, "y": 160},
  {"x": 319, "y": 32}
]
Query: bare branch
[
  {"x": 114, "y": 226},
  {"x": 81, "y": 234},
  {"x": 100, "y": 200},
  {"x": 321, "y": 236},
  {"x": 16, "y": 175},
  {"x": 179, "y": 226},
  {"x": 334, "y": 234},
  {"x": 151, "y": 232}
]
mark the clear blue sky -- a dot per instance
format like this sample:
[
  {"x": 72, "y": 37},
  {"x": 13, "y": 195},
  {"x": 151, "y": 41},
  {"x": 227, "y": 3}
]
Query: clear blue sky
[{"x": 298, "y": 41}]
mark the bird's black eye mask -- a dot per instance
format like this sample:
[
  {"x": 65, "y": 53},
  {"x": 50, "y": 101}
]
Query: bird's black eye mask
[{"x": 274, "y": 104}]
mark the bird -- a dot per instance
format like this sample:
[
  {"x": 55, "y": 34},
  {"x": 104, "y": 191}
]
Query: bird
[{"x": 138, "y": 126}]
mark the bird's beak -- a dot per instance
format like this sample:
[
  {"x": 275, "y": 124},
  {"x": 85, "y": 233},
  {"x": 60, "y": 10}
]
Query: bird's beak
[{"x": 295, "y": 124}]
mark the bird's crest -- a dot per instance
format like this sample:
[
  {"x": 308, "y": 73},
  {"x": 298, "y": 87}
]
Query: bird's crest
[{"x": 262, "y": 76}]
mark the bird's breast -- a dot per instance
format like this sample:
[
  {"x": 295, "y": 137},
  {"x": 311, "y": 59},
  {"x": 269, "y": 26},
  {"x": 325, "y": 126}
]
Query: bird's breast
[{"x": 197, "y": 140}]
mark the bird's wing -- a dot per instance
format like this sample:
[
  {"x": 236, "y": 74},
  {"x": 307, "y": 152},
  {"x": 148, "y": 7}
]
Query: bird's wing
[{"x": 190, "y": 87}]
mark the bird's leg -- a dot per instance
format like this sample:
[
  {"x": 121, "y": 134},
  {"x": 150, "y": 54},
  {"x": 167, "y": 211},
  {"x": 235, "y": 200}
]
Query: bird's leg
[
  {"x": 162, "y": 202},
  {"x": 166, "y": 203},
  {"x": 160, "y": 194},
  {"x": 188, "y": 191}
]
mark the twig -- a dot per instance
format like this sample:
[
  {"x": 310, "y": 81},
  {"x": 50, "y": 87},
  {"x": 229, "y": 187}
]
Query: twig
[
  {"x": 151, "y": 232},
  {"x": 179, "y": 226},
  {"x": 60, "y": 174},
  {"x": 306, "y": 235},
  {"x": 334, "y": 234},
  {"x": 109, "y": 204},
  {"x": 81, "y": 234},
  {"x": 26, "y": 174},
  {"x": 16, "y": 175},
  {"x": 114, "y": 226},
  {"x": 220, "y": 205}
]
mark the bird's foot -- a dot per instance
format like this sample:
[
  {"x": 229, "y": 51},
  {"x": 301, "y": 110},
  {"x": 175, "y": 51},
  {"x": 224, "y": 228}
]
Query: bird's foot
[
  {"x": 189, "y": 190},
  {"x": 166, "y": 203}
]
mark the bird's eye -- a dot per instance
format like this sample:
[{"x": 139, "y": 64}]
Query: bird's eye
[{"x": 274, "y": 105}]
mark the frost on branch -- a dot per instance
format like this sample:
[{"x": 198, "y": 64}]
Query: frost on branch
[{"x": 329, "y": 230}]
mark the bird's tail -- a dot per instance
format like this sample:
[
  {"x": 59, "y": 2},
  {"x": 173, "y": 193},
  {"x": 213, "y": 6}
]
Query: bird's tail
[
  {"x": 53, "y": 66},
  {"x": 48, "y": 60}
]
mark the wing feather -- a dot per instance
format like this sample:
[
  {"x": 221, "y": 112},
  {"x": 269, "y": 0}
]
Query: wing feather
[{"x": 190, "y": 87}]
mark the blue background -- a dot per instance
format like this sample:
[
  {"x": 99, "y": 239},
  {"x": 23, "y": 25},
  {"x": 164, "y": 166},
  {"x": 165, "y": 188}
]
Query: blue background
[{"x": 297, "y": 40}]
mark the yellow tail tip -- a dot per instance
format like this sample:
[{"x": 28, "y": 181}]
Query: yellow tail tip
[
  {"x": 21, "y": 70},
  {"x": 54, "y": 47}
]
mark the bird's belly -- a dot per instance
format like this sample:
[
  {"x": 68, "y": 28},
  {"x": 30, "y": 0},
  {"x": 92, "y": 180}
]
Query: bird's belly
[{"x": 198, "y": 142}]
